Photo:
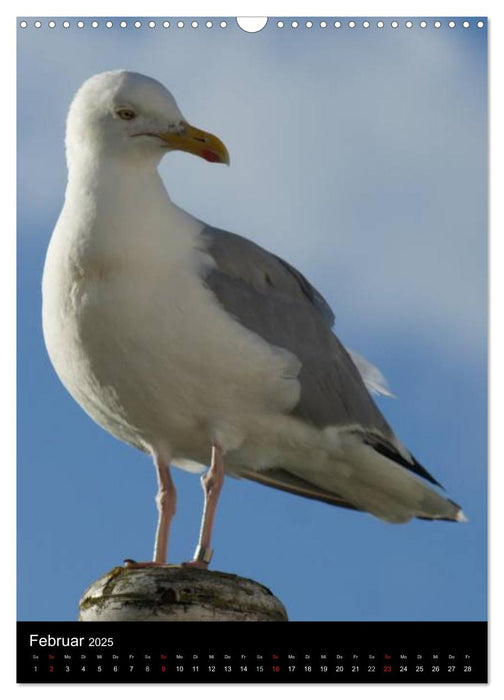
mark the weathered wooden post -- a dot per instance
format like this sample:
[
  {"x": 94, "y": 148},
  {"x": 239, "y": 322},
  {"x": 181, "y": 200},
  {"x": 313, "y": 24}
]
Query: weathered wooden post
[{"x": 177, "y": 593}]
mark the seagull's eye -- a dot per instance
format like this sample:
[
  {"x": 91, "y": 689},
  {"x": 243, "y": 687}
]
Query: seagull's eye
[{"x": 126, "y": 114}]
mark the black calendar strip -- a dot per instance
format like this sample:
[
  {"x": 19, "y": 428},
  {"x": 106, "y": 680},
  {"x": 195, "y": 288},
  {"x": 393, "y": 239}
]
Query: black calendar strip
[{"x": 206, "y": 652}]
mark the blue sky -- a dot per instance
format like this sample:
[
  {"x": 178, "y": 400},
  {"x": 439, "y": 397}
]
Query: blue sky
[{"x": 360, "y": 157}]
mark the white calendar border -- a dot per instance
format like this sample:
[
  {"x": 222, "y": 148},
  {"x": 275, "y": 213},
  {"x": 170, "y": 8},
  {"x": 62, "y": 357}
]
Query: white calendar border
[{"x": 314, "y": 8}]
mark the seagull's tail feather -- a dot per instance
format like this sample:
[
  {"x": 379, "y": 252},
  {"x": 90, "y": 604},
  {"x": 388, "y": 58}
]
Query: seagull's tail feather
[
  {"x": 284, "y": 480},
  {"x": 374, "y": 482},
  {"x": 367, "y": 481}
]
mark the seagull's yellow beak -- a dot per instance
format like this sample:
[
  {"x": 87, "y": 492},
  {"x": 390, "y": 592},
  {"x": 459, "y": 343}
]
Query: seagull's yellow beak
[{"x": 198, "y": 142}]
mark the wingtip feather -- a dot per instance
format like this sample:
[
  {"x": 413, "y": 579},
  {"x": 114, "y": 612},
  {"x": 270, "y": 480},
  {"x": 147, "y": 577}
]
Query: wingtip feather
[{"x": 461, "y": 517}]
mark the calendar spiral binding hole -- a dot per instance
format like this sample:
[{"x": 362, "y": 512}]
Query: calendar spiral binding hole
[{"x": 285, "y": 23}]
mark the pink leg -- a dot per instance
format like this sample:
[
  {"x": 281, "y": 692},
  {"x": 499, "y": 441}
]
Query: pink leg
[
  {"x": 212, "y": 484},
  {"x": 166, "y": 499}
]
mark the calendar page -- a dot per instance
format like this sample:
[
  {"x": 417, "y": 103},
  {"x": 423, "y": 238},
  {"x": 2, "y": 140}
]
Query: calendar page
[{"x": 252, "y": 342}]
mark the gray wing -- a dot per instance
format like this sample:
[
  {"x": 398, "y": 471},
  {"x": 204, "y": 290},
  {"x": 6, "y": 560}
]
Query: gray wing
[{"x": 273, "y": 299}]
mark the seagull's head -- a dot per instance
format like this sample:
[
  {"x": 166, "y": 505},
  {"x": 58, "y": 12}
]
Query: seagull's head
[{"x": 131, "y": 116}]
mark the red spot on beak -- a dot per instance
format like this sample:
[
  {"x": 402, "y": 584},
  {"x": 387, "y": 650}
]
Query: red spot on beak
[{"x": 210, "y": 156}]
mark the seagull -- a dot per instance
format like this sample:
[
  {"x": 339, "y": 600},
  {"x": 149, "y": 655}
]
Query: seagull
[{"x": 196, "y": 345}]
